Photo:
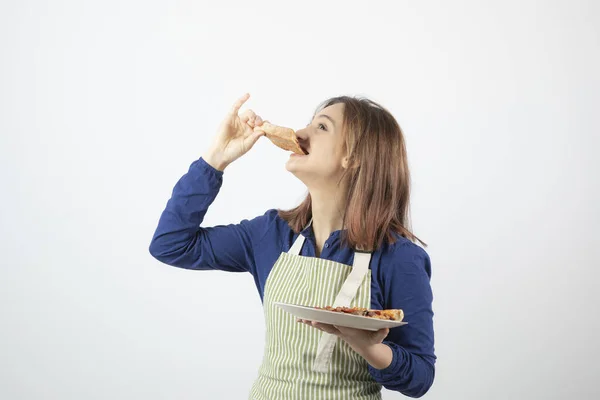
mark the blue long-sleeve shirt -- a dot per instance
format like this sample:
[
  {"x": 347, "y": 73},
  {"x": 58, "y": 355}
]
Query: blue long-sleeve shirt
[{"x": 400, "y": 272}]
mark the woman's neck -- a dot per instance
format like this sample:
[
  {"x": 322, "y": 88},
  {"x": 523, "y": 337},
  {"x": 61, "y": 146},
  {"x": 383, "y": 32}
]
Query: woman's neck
[{"x": 327, "y": 214}]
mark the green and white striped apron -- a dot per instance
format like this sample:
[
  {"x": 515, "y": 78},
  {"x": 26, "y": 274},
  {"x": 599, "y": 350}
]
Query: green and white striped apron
[{"x": 301, "y": 362}]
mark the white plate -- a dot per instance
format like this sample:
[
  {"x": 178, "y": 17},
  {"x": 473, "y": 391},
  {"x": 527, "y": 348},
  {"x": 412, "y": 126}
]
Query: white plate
[{"x": 336, "y": 318}]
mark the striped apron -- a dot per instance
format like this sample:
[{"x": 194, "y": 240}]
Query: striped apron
[{"x": 301, "y": 362}]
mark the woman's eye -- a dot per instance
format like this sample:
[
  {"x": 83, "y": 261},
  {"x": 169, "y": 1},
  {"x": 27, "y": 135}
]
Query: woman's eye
[{"x": 323, "y": 127}]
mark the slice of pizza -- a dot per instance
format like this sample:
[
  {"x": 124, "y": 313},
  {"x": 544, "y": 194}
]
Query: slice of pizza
[
  {"x": 281, "y": 137},
  {"x": 389, "y": 315}
]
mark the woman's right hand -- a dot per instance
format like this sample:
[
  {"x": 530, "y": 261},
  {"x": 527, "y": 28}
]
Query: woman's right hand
[{"x": 235, "y": 136}]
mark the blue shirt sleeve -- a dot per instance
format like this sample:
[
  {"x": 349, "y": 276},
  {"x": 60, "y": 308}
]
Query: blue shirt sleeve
[
  {"x": 404, "y": 276},
  {"x": 181, "y": 242}
]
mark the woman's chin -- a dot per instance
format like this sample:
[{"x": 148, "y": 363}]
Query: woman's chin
[
  {"x": 294, "y": 163},
  {"x": 291, "y": 167}
]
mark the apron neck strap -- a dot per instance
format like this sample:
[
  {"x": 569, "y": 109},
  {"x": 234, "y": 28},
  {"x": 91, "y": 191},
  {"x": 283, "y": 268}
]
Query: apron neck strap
[
  {"x": 297, "y": 246},
  {"x": 299, "y": 242}
]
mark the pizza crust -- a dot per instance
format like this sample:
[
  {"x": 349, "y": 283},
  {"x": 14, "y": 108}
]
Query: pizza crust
[{"x": 284, "y": 138}]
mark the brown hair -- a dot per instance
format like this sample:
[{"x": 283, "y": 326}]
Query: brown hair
[{"x": 377, "y": 201}]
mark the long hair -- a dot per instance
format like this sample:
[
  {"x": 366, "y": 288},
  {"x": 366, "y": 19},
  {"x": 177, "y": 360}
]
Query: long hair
[{"x": 378, "y": 196}]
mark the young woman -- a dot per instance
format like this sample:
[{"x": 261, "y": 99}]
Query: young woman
[{"x": 355, "y": 218}]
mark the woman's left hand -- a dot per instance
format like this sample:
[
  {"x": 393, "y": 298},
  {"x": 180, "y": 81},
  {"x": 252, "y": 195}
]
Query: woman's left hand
[{"x": 366, "y": 343}]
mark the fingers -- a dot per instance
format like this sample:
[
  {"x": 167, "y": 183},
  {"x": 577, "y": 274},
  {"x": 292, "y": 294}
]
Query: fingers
[
  {"x": 326, "y": 328},
  {"x": 320, "y": 326},
  {"x": 250, "y": 118},
  {"x": 238, "y": 104},
  {"x": 247, "y": 115},
  {"x": 259, "y": 127}
]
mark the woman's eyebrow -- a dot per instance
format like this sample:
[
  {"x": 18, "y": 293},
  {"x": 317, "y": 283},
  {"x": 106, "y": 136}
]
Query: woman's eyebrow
[{"x": 328, "y": 117}]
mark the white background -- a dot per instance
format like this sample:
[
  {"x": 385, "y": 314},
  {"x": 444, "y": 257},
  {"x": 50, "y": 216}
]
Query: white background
[{"x": 104, "y": 104}]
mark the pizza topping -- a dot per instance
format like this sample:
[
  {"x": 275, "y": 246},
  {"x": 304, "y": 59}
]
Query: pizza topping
[{"x": 389, "y": 315}]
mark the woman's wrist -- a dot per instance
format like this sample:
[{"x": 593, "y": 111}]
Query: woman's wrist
[
  {"x": 214, "y": 161},
  {"x": 379, "y": 356}
]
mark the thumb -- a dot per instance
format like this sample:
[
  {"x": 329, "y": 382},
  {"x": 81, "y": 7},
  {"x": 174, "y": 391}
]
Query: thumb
[
  {"x": 382, "y": 334},
  {"x": 252, "y": 139}
]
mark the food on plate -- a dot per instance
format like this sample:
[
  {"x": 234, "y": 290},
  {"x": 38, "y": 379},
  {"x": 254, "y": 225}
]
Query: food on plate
[
  {"x": 388, "y": 315},
  {"x": 282, "y": 137}
]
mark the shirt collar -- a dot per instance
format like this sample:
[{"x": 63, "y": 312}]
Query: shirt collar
[{"x": 309, "y": 233}]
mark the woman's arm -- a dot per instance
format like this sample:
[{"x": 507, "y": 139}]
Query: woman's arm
[
  {"x": 181, "y": 242},
  {"x": 404, "y": 275}
]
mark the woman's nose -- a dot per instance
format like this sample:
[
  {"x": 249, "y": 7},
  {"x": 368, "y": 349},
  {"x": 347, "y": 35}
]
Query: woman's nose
[{"x": 302, "y": 134}]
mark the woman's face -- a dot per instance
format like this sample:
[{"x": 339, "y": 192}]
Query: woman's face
[{"x": 324, "y": 141}]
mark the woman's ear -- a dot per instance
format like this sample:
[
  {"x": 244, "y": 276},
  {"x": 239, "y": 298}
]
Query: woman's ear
[{"x": 346, "y": 163}]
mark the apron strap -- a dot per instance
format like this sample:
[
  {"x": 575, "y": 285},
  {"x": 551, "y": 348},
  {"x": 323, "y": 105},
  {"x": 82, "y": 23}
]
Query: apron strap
[
  {"x": 297, "y": 246},
  {"x": 360, "y": 267}
]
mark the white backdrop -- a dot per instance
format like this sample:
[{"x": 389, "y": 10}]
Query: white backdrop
[{"x": 104, "y": 104}]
